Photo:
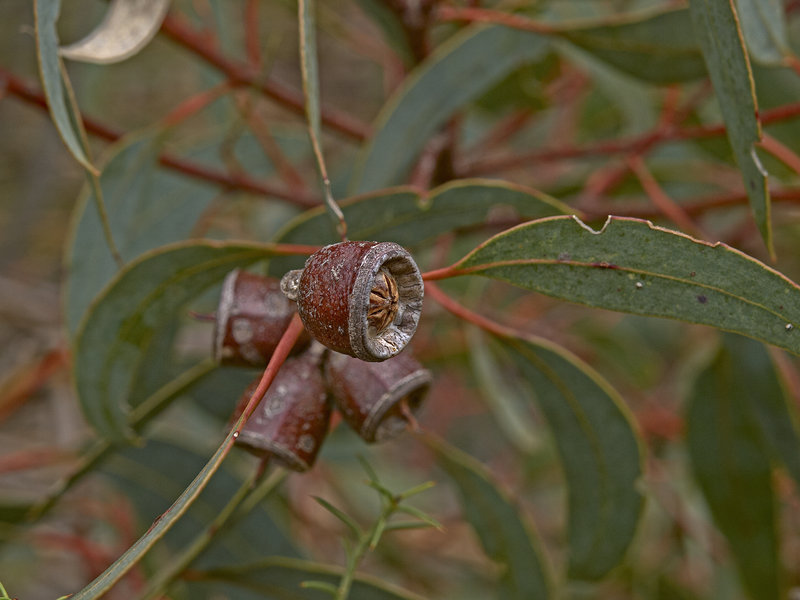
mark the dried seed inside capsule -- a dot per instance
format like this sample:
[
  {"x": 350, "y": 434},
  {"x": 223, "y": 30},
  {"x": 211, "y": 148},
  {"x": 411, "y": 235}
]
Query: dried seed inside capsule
[{"x": 384, "y": 301}]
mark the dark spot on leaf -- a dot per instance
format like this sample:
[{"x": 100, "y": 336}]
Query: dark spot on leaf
[
  {"x": 605, "y": 265},
  {"x": 702, "y": 299},
  {"x": 692, "y": 274}
]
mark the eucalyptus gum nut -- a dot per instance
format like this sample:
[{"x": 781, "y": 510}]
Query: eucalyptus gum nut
[
  {"x": 291, "y": 421},
  {"x": 252, "y": 315},
  {"x": 374, "y": 397},
  {"x": 359, "y": 298}
]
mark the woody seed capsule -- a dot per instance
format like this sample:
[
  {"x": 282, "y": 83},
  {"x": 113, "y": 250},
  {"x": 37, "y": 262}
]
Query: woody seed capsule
[
  {"x": 359, "y": 298},
  {"x": 291, "y": 421},
  {"x": 377, "y": 399},
  {"x": 251, "y": 317}
]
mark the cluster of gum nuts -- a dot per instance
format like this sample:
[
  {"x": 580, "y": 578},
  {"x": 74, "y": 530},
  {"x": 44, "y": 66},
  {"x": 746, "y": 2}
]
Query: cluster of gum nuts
[{"x": 360, "y": 303}]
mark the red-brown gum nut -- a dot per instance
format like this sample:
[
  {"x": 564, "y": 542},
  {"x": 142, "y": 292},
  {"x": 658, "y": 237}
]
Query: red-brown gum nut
[
  {"x": 333, "y": 295},
  {"x": 291, "y": 421},
  {"x": 370, "y": 395},
  {"x": 252, "y": 315}
]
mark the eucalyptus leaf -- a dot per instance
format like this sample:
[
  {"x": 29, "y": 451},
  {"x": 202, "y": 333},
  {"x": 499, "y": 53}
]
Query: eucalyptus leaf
[
  {"x": 764, "y": 28},
  {"x": 716, "y": 26},
  {"x": 599, "y": 448},
  {"x": 456, "y": 73},
  {"x": 630, "y": 265},
  {"x": 733, "y": 470},
  {"x": 145, "y": 296},
  {"x": 499, "y": 524},
  {"x": 128, "y": 26}
]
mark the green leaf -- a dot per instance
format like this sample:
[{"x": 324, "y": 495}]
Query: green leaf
[
  {"x": 458, "y": 72},
  {"x": 59, "y": 101},
  {"x": 766, "y": 399},
  {"x": 403, "y": 216},
  {"x": 717, "y": 29},
  {"x": 656, "y": 46},
  {"x": 599, "y": 448},
  {"x": 392, "y": 28},
  {"x": 632, "y": 266},
  {"x": 343, "y": 517},
  {"x": 121, "y": 325},
  {"x": 503, "y": 532},
  {"x": 281, "y": 577},
  {"x": 147, "y": 207},
  {"x": 733, "y": 470},
  {"x": 764, "y": 28}
]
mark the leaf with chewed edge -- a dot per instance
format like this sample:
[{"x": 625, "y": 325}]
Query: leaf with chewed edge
[
  {"x": 501, "y": 528},
  {"x": 632, "y": 266},
  {"x": 124, "y": 320}
]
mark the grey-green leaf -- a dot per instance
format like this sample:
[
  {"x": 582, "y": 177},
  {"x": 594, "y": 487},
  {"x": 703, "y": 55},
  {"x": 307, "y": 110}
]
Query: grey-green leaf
[
  {"x": 403, "y": 216},
  {"x": 717, "y": 29},
  {"x": 767, "y": 401},
  {"x": 656, "y": 46},
  {"x": 50, "y": 69},
  {"x": 503, "y": 531},
  {"x": 281, "y": 577},
  {"x": 733, "y": 471},
  {"x": 459, "y": 71},
  {"x": 127, "y": 27},
  {"x": 764, "y": 28},
  {"x": 599, "y": 448},
  {"x": 147, "y": 207},
  {"x": 121, "y": 325},
  {"x": 632, "y": 266}
]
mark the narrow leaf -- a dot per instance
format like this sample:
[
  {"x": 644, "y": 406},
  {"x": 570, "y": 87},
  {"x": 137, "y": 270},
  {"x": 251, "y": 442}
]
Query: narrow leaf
[
  {"x": 401, "y": 215},
  {"x": 46, "y": 14},
  {"x": 459, "y": 71},
  {"x": 416, "y": 512},
  {"x": 599, "y": 449},
  {"x": 343, "y": 517},
  {"x": 766, "y": 400},
  {"x": 404, "y": 525},
  {"x": 328, "y": 588},
  {"x": 503, "y": 532},
  {"x": 127, "y": 27},
  {"x": 632, "y": 266},
  {"x": 716, "y": 26},
  {"x": 147, "y": 207},
  {"x": 764, "y": 27},
  {"x": 656, "y": 46},
  {"x": 122, "y": 323},
  {"x": 733, "y": 470},
  {"x": 282, "y": 577}
]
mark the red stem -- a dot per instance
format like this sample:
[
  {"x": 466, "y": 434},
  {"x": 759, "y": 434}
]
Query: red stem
[
  {"x": 176, "y": 28},
  {"x": 432, "y": 290}
]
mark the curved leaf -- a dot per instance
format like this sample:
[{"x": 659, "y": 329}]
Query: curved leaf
[
  {"x": 657, "y": 47},
  {"x": 764, "y": 27},
  {"x": 717, "y": 29},
  {"x": 599, "y": 448},
  {"x": 402, "y": 215},
  {"x": 281, "y": 577},
  {"x": 121, "y": 325},
  {"x": 459, "y": 71},
  {"x": 632, "y": 266},
  {"x": 147, "y": 207},
  {"x": 55, "y": 90},
  {"x": 127, "y": 27},
  {"x": 503, "y": 532},
  {"x": 733, "y": 470}
]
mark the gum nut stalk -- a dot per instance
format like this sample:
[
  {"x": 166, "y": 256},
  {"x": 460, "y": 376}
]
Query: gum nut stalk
[
  {"x": 359, "y": 298},
  {"x": 252, "y": 315},
  {"x": 291, "y": 421},
  {"x": 377, "y": 399}
]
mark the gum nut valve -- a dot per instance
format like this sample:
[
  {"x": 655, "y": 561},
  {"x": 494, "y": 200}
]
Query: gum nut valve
[
  {"x": 359, "y": 298},
  {"x": 252, "y": 315},
  {"x": 291, "y": 421},
  {"x": 377, "y": 400}
]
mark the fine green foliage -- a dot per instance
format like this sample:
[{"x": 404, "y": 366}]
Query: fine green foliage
[
  {"x": 732, "y": 467},
  {"x": 632, "y": 266},
  {"x": 717, "y": 29},
  {"x": 505, "y": 536}
]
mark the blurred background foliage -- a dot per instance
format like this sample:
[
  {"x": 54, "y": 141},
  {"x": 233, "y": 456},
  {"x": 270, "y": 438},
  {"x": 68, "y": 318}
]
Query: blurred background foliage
[{"x": 576, "y": 119}]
